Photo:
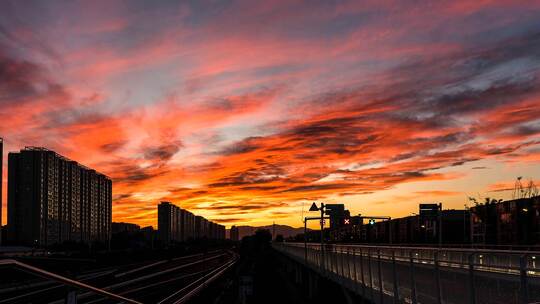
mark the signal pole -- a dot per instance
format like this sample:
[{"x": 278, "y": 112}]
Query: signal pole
[
  {"x": 321, "y": 219},
  {"x": 305, "y": 240},
  {"x": 322, "y": 227}
]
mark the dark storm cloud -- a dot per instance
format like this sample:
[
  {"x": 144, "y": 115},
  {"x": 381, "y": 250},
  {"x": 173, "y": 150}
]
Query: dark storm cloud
[
  {"x": 162, "y": 152},
  {"x": 526, "y": 130},
  {"x": 119, "y": 197},
  {"x": 243, "y": 207},
  {"x": 112, "y": 147},
  {"x": 249, "y": 177},
  {"x": 260, "y": 188},
  {"x": 245, "y": 146},
  {"x": 228, "y": 220},
  {"x": 125, "y": 172},
  {"x": 21, "y": 80},
  {"x": 312, "y": 187},
  {"x": 473, "y": 80}
]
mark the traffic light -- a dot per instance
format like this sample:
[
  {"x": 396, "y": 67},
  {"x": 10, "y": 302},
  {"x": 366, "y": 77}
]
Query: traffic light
[
  {"x": 371, "y": 221},
  {"x": 346, "y": 221}
]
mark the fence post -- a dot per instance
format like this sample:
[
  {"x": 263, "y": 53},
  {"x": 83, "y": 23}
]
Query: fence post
[
  {"x": 472, "y": 292},
  {"x": 349, "y": 277},
  {"x": 333, "y": 263},
  {"x": 381, "y": 293},
  {"x": 342, "y": 266},
  {"x": 355, "y": 272},
  {"x": 394, "y": 276},
  {"x": 322, "y": 255},
  {"x": 413, "y": 280},
  {"x": 362, "y": 274},
  {"x": 370, "y": 276},
  {"x": 437, "y": 276},
  {"x": 327, "y": 261},
  {"x": 524, "y": 288},
  {"x": 336, "y": 259}
]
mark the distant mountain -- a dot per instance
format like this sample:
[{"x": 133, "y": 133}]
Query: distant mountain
[{"x": 284, "y": 230}]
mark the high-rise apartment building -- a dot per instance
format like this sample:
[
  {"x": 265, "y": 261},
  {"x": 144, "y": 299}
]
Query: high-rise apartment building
[
  {"x": 176, "y": 224},
  {"x": 167, "y": 214},
  {"x": 234, "y": 234},
  {"x": 52, "y": 199}
]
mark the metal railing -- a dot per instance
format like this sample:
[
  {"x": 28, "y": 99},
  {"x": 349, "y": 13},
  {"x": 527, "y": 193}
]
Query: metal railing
[{"x": 390, "y": 274}]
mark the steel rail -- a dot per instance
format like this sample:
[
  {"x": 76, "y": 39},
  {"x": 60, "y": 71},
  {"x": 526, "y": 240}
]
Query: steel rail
[
  {"x": 194, "y": 292},
  {"x": 207, "y": 271},
  {"x": 146, "y": 277},
  {"x": 54, "y": 286},
  {"x": 64, "y": 280},
  {"x": 81, "y": 278},
  {"x": 132, "y": 271},
  {"x": 214, "y": 274},
  {"x": 162, "y": 262},
  {"x": 163, "y": 282}
]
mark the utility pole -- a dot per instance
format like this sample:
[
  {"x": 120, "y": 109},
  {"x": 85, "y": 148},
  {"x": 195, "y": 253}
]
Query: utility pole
[
  {"x": 322, "y": 226},
  {"x": 322, "y": 235},
  {"x": 305, "y": 240}
]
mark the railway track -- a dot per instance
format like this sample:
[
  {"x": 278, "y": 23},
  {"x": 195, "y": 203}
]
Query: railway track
[{"x": 162, "y": 281}]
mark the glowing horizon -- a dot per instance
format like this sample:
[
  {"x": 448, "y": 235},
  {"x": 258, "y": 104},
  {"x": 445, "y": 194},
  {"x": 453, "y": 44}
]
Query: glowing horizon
[{"x": 246, "y": 112}]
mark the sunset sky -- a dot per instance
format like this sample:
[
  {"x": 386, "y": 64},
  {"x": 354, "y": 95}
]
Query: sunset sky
[{"x": 247, "y": 111}]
